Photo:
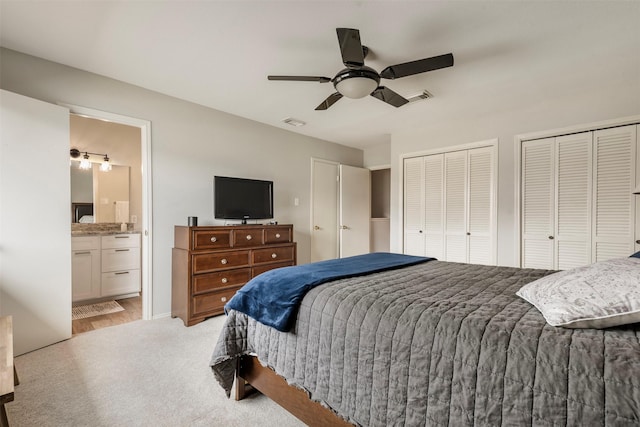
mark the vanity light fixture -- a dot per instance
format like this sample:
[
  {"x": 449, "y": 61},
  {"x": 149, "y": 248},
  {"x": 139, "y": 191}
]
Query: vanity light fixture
[{"x": 85, "y": 163}]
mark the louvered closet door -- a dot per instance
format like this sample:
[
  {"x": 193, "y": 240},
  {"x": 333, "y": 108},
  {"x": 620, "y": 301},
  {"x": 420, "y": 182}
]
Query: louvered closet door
[
  {"x": 538, "y": 200},
  {"x": 573, "y": 201},
  {"x": 455, "y": 171},
  {"x": 480, "y": 207},
  {"x": 614, "y": 205},
  {"x": 434, "y": 206},
  {"x": 414, "y": 206}
]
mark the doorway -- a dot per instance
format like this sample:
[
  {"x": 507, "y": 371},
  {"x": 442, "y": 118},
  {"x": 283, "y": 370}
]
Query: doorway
[{"x": 144, "y": 221}]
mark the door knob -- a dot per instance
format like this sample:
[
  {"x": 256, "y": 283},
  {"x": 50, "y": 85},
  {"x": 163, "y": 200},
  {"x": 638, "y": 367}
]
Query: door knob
[
  {"x": 550, "y": 237},
  {"x": 315, "y": 227},
  {"x": 344, "y": 227}
]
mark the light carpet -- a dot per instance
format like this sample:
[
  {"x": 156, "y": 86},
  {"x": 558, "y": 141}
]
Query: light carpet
[
  {"x": 143, "y": 373},
  {"x": 97, "y": 309}
]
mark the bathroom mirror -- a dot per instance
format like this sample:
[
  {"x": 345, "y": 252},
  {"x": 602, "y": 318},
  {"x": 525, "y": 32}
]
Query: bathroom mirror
[{"x": 99, "y": 197}]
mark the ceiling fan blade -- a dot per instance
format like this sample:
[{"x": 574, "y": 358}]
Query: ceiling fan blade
[
  {"x": 390, "y": 97},
  {"x": 301, "y": 78},
  {"x": 350, "y": 47},
  {"x": 417, "y": 67},
  {"x": 332, "y": 99}
]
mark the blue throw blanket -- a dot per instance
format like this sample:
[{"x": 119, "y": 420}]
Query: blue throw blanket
[{"x": 273, "y": 297}]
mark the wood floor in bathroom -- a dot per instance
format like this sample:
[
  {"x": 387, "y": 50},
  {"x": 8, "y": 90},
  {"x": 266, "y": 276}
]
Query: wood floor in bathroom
[{"x": 132, "y": 311}]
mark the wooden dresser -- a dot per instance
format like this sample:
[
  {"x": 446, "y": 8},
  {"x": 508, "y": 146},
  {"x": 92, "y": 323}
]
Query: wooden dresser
[{"x": 210, "y": 263}]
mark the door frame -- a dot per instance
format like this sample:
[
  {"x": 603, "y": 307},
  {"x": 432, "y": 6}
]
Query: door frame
[
  {"x": 312, "y": 199},
  {"x": 147, "y": 234}
]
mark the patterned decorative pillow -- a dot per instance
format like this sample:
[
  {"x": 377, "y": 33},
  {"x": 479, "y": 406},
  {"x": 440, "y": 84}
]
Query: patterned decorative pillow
[{"x": 599, "y": 295}]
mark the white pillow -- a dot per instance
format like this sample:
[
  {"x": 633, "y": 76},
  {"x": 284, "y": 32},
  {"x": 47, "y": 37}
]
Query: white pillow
[{"x": 599, "y": 295}]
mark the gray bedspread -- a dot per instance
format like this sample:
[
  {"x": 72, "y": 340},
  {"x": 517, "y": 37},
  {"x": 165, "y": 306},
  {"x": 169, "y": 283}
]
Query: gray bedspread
[{"x": 443, "y": 344}]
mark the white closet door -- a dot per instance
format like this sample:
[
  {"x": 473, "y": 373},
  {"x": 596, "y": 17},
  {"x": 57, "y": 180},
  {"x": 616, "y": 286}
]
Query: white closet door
[
  {"x": 573, "y": 200},
  {"x": 434, "y": 206},
  {"x": 455, "y": 170},
  {"x": 538, "y": 210},
  {"x": 414, "y": 206},
  {"x": 480, "y": 208},
  {"x": 613, "y": 204}
]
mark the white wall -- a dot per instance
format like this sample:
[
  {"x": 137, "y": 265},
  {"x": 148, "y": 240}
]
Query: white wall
[
  {"x": 377, "y": 155},
  {"x": 190, "y": 144},
  {"x": 610, "y": 100}
]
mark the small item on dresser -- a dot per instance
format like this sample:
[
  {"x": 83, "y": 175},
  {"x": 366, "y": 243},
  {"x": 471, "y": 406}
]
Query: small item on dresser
[
  {"x": 193, "y": 221},
  {"x": 123, "y": 226}
]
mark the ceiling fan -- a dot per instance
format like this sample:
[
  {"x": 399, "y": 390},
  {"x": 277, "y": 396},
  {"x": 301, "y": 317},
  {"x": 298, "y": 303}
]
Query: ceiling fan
[{"x": 358, "y": 80}]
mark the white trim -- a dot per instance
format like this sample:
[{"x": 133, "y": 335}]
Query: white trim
[
  {"x": 441, "y": 150},
  {"x": 147, "y": 234},
  {"x": 379, "y": 167},
  {"x": 551, "y": 133}
]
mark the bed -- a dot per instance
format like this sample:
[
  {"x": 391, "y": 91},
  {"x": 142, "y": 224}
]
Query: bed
[{"x": 434, "y": 343}]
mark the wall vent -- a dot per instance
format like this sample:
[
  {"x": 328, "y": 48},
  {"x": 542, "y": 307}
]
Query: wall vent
[
  {"x": 418, "y": 96},
  {"x": 293, "y": 122}
]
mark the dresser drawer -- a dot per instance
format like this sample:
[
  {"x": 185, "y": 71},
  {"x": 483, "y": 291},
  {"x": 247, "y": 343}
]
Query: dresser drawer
[
  {"x": 276, "y": 254},
  {"x": 277, "y": 235},
  {"x": 220, "y": 260},
  {"x": 266, "y": 267},
  {"x": 245, "y": 238},
  {"x": 120, "y": 259},
  {"x": 120, "y": 282},
  {"x": 121, "y": 241},
  {"x": 212, "y": 302},
  {"x": 222, "y": 279},
  {"x": 211, "y": 239}
]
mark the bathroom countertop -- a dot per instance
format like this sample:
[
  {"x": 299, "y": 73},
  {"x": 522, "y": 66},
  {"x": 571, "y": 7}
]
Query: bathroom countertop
[{"x": 101, "y": 232}]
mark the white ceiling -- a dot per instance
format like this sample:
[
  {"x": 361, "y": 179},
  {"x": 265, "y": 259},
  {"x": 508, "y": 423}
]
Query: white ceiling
[{"x": 218, "y": 53}]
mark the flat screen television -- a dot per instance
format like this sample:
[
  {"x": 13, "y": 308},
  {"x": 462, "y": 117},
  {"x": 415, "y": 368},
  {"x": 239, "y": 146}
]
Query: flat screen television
[{"x": 241, "y": 198}]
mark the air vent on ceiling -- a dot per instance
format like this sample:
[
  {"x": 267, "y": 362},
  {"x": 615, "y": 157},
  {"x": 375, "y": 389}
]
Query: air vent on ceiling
[
  {"x": 293, "y": 122},
  {"x": 417, "y": 97}
]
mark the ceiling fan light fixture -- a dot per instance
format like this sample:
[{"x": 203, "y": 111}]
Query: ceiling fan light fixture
[{"x": 356, "y": 82}]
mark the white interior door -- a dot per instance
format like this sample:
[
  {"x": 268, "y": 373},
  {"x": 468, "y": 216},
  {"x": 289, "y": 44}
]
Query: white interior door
[
  {"x": 434, "y": 206},
  {"x": 355, "y": 210},
  {"x": 35, "y": 222},
  {"x": 324, "y": 210}
]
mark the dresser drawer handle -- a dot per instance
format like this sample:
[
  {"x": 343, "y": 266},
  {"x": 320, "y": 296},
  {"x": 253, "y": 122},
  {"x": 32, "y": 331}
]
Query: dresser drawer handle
[
  {"x": 274, "y": 255},
  {"x": 122, "y": 272},
  {"x": 223, "y": 299},
  {"x": 122, "y": 250},
  {"x": 82, "y": 253},
  {"x": 122, "y": 237},
  {"x": 214, "y": 239},
  {"x": 248, "y": 236},
  {"x": 224, "y": 280},
  {"x": 277, "y": 235},
  {"x": 223, "y": 261}
]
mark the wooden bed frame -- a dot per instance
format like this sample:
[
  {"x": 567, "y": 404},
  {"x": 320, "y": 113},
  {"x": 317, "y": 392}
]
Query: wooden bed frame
[{"x": 251, "y": 376}]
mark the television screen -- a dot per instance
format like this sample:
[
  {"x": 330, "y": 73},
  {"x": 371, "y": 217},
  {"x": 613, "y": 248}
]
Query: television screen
[{"x": 240, "y": 198}]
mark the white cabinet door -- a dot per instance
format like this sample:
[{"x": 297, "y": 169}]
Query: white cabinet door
[
  {"x": 414, "y": 203},
  {"x": 355, "y": 211},
  {"x": 35, "y": 263},
  {"x": 324, "y": 210},
  {"x": 613, "y": 204},
  {"x": 455, "y": 172},
  {"x": 538, "y": 200},
  {"x": 480, "y": 220},
  {"x": 85, "y": 267}
]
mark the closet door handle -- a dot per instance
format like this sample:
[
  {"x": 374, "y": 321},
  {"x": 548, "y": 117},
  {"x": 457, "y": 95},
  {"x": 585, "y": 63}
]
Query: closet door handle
[
  {"x": 550, "y": 237},
  {"x": 638, "y": 242}
]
